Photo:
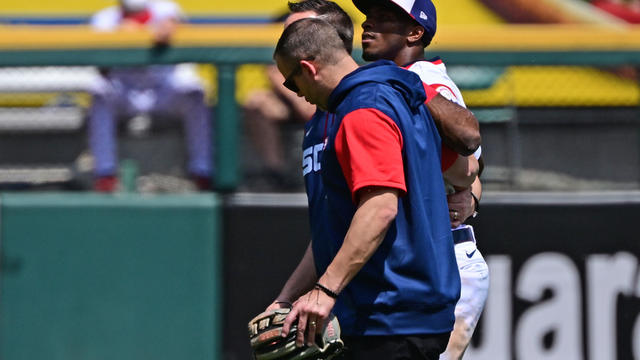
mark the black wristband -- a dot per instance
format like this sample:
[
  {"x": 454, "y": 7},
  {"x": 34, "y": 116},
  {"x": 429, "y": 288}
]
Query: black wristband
[
  {"x": 327, "y": 291},
  {"x": 476, "y": 206}
]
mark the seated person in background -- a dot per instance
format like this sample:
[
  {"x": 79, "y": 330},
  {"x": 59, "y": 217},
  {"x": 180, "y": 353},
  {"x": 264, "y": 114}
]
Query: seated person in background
[
  {"x": 154, "y": 91},
  {"x": 264, "y": 113}
]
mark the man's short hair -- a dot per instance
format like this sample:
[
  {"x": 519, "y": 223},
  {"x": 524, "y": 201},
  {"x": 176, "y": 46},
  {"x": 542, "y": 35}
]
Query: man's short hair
[
  {"x": 330, "y": 12},
  {"x": 310, "y": 39}
]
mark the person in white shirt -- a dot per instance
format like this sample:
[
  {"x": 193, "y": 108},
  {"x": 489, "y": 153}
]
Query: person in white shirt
[{"x": 147, "y": 92}]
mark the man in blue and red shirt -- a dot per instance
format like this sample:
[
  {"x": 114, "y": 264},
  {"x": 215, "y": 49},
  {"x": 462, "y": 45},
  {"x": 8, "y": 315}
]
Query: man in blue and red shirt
[
  {"x": 382, "y": 243},
  {"x": 400, "y": 31}
]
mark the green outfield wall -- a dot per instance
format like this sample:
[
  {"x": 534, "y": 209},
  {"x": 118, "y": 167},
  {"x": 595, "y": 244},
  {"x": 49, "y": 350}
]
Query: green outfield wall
[{"x": 88, "y": 276}]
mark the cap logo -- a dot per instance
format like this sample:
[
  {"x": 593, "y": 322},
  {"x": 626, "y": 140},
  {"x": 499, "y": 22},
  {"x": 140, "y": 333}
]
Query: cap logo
[{"x": 423, "y": 15}]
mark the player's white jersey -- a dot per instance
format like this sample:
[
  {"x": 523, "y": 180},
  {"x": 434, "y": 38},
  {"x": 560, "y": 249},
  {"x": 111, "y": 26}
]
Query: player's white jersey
[{"x": 434, "y": 73}]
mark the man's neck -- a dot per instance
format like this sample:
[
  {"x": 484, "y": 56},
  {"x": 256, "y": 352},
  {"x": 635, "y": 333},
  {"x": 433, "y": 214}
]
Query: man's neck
[
  {"x": 344, "y": 67},
  {"x": 335, "y": 73},
  {"x": 409, "y": 55}
]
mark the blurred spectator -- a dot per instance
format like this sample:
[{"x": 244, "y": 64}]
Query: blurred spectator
[
  {"x": 144, "y": 93},
  {"x": 265, "y": 113},
  {"x": 528, "y": 12},
  {"x": 627, "y": 10}
]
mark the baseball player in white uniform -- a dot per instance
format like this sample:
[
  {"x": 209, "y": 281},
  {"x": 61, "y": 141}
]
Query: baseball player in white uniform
[
  {"x": 399, "y": 30},
  {"x": 156, "y": 91},
  {"x": 474, "y": 272}
]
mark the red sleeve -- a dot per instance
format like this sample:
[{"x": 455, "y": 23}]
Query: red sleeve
[
  {"x": 429, "y": 91},
  {"x": 447, "y": 157},
  {"x": 369, "y": 149}
]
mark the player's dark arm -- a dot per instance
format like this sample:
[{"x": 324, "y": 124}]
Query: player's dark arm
[
  {"x": 463, "y": 172},
  {"x": 463, "y": 202},
  {"x": 457, "y": 125},
  {"x": 301, "y": 281}
]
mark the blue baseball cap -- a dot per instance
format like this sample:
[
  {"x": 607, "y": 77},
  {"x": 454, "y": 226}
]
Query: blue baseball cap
[{"x": 422, "y": 11}]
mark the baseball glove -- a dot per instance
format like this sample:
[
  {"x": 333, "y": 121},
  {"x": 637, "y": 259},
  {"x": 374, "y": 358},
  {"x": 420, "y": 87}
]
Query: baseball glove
[{"x": 267, "y": 343}]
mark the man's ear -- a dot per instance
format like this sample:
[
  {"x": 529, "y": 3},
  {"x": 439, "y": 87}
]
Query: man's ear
[
  {"x": 309, "y": 67},
  {"x": 415, "y": 34}
]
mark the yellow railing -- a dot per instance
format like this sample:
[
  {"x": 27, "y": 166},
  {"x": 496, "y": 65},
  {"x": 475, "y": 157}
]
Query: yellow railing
[{"x": 449, "y": 38}]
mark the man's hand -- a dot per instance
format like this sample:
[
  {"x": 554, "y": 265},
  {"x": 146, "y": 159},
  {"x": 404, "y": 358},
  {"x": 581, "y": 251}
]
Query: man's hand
[
  {"x": 312, "y": 311},
  {"x": 461, "y": 206},
  {"x": 278, "y": 304},
  {"x": 163, "y": 31}
]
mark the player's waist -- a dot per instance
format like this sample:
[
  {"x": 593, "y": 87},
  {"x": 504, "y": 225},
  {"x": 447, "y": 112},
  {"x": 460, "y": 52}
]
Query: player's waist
[{"x": 462, "y": 235}]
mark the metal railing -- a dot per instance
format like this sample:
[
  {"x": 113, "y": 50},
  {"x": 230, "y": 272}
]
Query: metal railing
[{"x": 227, "y": 47}]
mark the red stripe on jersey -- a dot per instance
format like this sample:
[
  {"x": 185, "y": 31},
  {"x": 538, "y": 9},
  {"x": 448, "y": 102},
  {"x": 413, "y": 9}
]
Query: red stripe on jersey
[
  {"x": 447, "y": 158},
  {"x": 369, "y": 148},
  {"x": 437, "y": 86},
  {"x": 430, "y": 91},
  {"x": 436, "y": 62}
]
